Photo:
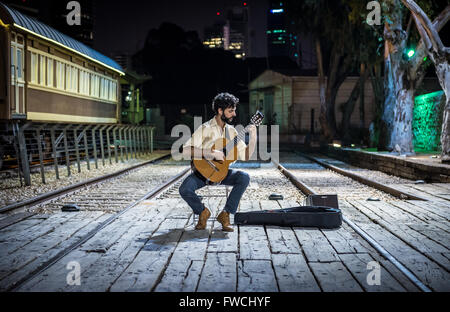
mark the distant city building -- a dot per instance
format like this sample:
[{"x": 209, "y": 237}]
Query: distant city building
[
  {"x": 237, "y": 27},
  {"x": 214, "y": 36},
  {"x": 280, "y": 41},
  {"x": 54, "y": 13},
  {"x": 231, "y": 35}
]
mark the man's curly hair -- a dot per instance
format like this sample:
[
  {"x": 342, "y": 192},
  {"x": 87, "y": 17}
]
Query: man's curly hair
[{"x": 224, "y": 101}]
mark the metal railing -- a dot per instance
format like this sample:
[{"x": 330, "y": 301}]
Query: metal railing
[{"x": 31, "y": 146}]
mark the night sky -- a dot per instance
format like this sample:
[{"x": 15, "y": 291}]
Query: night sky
[{"x": 121, "y": 26}]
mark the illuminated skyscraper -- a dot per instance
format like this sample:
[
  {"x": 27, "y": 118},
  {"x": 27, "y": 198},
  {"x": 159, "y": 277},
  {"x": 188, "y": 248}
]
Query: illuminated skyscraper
[
  {"x": 280, "y": 41},
  {"x": 237, "y": 26},
  {"x": 214, "y": 36}
]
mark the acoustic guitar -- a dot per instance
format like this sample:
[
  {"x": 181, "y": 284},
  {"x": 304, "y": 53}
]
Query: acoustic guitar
[{"x": 215, "y": 171}]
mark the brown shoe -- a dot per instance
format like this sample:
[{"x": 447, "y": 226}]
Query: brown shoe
[
  {"x": 224, "y": 219},
  {"x": 203, "y": 217}
]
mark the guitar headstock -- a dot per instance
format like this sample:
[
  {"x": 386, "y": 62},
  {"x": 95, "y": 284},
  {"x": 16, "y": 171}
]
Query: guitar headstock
[{"x": 257, "y": 118}]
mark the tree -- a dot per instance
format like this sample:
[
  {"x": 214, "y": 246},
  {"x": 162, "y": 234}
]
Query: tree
[
  {"x": 402, "y": 75},
  {"x": 439, "y": 54},
  {"x": 328, "y": 23}
]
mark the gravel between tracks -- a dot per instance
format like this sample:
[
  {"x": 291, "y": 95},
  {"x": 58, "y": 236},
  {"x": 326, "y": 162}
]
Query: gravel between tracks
[
  {"x": 11, "y": 192},
  {"x": 265, "y": 181},
  {"x": 325, "y": 181}
]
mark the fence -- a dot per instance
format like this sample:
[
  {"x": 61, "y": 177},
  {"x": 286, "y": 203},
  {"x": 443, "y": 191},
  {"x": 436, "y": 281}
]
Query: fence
[{"x": 29, "y": 145}]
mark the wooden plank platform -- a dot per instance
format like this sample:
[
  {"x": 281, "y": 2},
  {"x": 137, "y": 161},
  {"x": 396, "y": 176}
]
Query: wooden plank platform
[{"x": 154, "y": 247}]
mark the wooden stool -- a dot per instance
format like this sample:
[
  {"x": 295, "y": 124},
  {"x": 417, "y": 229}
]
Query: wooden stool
[{"x": 226, "y": 196}]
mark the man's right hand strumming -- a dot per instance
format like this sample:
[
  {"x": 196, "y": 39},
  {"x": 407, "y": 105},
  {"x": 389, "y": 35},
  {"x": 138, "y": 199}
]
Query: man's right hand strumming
[{"x": 218, "y": 155}]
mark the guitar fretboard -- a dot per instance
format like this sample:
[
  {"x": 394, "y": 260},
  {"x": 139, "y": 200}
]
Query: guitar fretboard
[{"x": 239, "y": 137}]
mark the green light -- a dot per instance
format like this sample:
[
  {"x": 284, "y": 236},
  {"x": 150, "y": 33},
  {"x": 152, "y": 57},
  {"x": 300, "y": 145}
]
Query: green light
[
  {"x": 410, "y": 53},
  {"x": 426, "y": 122},
  {"x": 425, "y": 58}
]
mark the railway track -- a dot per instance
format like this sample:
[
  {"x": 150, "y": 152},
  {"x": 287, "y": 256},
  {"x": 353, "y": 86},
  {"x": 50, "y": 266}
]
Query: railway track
[
  {"x": 265, "y": 180},
  {"x": 307, "y": 190},
  {"x": 52, "y": 196},
  {"x": 137, "y": 180}
]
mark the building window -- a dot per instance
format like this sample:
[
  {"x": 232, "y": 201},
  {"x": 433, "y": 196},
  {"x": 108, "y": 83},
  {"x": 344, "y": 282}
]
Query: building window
[
  {"x": 42, "y": 70},
  {"x": 74, "y": 73},
  {"x": 50, "y": 72},
  {"x": 104, "y": 88},
  {"x": 68, "y": 78},
  {"x": 13, "y": 64},
  {"x": 113, "y": 91},
  {"x": 59, "y": 75},
  {"x": 82, "y": 83},
  {"x": 19, "y": 64},
  {"x": 86, "y": 82},
  {"x": 34, "y": 68},
  {"x": 95, "y": 87}
]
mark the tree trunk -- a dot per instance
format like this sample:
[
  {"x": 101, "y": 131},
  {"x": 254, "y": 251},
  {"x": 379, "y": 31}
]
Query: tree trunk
[
  {"x": 349, "y": 107},
  {"x": 396, "y": 122},
  {"x": 439, "y": 54},
  {"x": 377, "y": 82},
  {"x": 339, "y": 66},
  {"x": 443, "y": 74},
  {"x": 362, "y": 86},
  {"x": 322, "y": 89}
]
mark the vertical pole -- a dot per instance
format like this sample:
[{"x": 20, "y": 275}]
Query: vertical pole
[
  {"x": 24, "y": 154},
  {"x": 94, "y": 143},
  {"x": 120, "y": 143},
  {"x": 55, "y": 158},
  {"x": 144, "y": 140},
  {"x": 15, "y": 129},
  {"x": 151, "y": 139},
  {"x": 41, "y": 156},
  {"x": 77, "y": 150},
  {"x": 130, "y": 143},
  {"x": 130, "y": 137},
  {"x": 125, "y": 142},
  {"x": 86, "y": 147},
  {"x": 66, "y": 150},
  {"x": 134, "y": 141},
  {"x": 102, "y": 145},
  {"x": 108, "y": 142},
  {"x": 141, "y": 148},
  {"x": 116, "y": 146},
  {"x": 141, "y": 133}
]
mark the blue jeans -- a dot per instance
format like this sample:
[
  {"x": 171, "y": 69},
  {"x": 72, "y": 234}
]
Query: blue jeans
[{"x": 238, "y": 179}]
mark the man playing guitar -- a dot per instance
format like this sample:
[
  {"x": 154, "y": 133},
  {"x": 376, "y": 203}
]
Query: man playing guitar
[{"x": 200, "y": 146}]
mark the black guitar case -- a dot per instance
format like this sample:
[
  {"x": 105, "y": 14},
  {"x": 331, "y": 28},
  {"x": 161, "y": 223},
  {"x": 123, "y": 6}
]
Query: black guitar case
[{"x": 302, "y": 216}]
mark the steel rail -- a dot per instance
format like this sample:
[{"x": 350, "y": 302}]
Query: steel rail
[
  {"x": 387, "y": 189},
  {"x": 151, "y": 194},
  {"x": 309, "y": 191},
  {"x": 74, "y": 187}
]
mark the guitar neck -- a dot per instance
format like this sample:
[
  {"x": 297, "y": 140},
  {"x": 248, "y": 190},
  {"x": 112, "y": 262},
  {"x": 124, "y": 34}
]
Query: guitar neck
[{"x": 239, "y": 136}]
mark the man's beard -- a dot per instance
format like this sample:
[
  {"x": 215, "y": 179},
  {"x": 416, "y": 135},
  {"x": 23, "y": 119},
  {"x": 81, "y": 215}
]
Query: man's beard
[{"x": 227, "y": 120}]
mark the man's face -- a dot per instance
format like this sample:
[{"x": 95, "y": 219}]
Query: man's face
[{"x": 228, "y": 114}]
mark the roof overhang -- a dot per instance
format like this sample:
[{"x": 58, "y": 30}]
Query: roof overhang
[
  {"x": 20, "y": 21},
  {"x": 68, "y": 48}
]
